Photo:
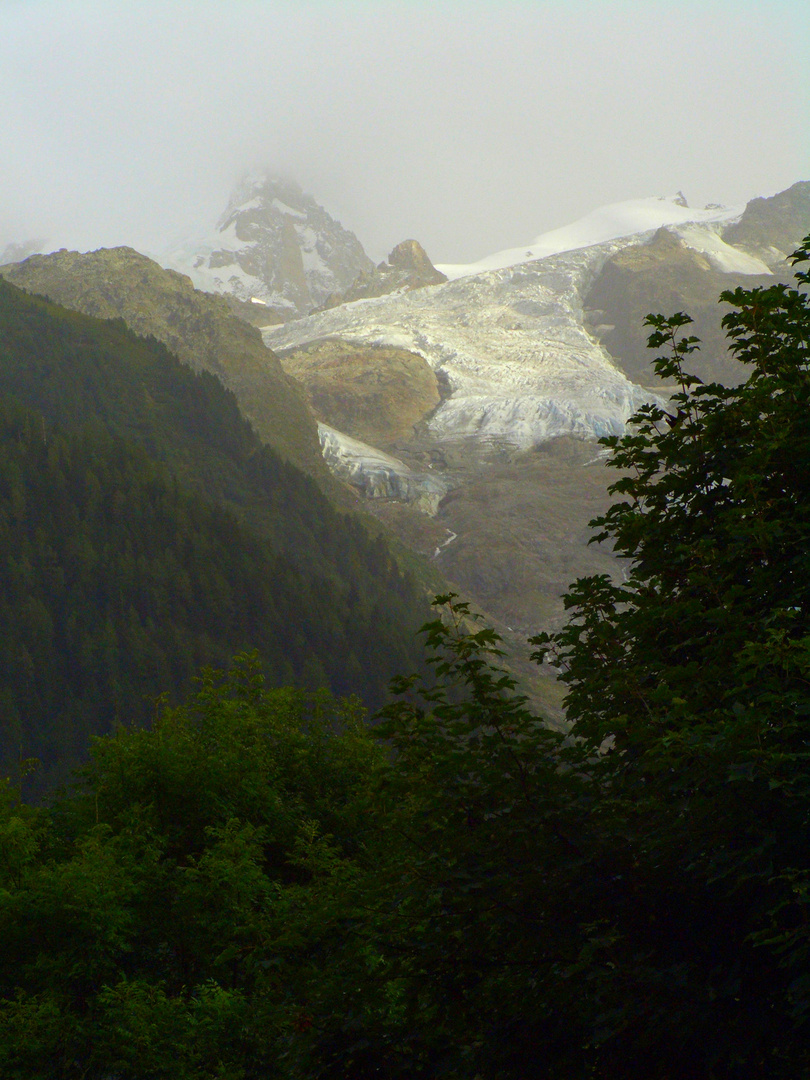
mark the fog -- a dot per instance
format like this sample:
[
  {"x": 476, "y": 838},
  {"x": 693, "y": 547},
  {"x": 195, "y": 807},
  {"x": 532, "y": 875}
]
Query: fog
[{"x": 469, "y": 126}]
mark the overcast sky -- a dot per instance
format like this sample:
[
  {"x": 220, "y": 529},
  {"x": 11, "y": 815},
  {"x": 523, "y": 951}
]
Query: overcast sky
[{"x": 470, "y": 126}]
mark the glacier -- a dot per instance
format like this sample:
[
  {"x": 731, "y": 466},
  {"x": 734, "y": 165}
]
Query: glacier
[
  {"x": 377, "y": 475},
  {"x": 510, "y": 345},
  {"x": 507, "y": 334}
]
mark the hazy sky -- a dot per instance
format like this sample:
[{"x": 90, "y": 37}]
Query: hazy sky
[{"x": 471, "y": 126}]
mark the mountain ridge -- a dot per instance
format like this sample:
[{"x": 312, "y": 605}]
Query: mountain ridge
[
  {"x": 145, "y": 530},
  {"x": 199, "y": 327}
]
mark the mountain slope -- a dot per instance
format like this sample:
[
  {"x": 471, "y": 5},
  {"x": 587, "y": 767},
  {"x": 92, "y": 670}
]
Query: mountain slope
[
  {"x": 199, "y": 328},
  {"x": 664, "y": 275},
  {"x": 146, "y": 530},
  {"x": 374, "y": 394},
  {"x": 773, "y": 228}
]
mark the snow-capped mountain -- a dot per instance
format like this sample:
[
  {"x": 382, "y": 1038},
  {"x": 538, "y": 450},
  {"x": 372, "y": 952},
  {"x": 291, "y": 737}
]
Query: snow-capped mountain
[
  {"x": 274, "y": 245},
  {"x": 534, "y": 351},
  {"x": 699, "y": 228},
  {"x": 508, "y": 334}
]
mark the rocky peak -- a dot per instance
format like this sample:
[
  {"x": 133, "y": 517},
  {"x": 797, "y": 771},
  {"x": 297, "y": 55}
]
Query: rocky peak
[
  {"x": 411, "y": 256},
  {"x": 408, "y": 267},
  {"x": 772, "y": 228},
  {"x": 274, "y": 244}
]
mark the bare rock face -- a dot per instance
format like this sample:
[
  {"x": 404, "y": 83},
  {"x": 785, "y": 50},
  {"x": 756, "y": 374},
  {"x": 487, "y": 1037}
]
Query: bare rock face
[
  {"x": 121, "y": 283},
  {"x": 773, "y": 228},
  {"x": 408, "y": 267},
  {"x": 664, "y": 275},
  {"x": 274, "y": 244},
  {"x": 412, "y": 258},
  {"x": 373, "y": 393}
]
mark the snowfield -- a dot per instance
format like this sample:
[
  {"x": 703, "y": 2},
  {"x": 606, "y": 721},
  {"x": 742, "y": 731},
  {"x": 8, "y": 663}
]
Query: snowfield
[{"x": 611, "y": 222}]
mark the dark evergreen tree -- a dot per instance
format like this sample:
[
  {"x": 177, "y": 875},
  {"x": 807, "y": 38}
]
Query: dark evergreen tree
[{"x": 146, "y": 531}]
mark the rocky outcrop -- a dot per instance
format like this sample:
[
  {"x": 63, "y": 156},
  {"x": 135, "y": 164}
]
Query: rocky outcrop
[
  {"x": 773, "y": 228},
  {"x": 372, "y": 393},
  {"x": 199, "y": 328},
  {"x": 408, "y": 267},
  {"x": 273, "y": 244}
]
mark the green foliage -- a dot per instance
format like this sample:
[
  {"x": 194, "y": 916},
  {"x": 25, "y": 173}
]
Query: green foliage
[
  {"x": 145, "y": 532},
  {"x": 632, "y": 900},
  {"x": 458, "y": 913},
  {"x": 160, "y": 919},
  {"x": 689, "y": 681}
]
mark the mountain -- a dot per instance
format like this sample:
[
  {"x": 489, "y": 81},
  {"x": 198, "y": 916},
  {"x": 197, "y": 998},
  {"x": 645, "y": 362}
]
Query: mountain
[
  {"x": 664, "y": 274},
  {"x": 200, "y": 328},
  {"x": 685, "y": 269},
  {"x": 537, "y": 351},
  {"x": 145, "y": 530},
  {"x": 465, "y": 411},
  {"x": 274, "y": 246},
  {"x": 772, "y": 228}
]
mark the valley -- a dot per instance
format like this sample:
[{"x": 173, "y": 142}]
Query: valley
[
  {"x": 404, "y": 541},
  {"x": 458, "y": 407}
]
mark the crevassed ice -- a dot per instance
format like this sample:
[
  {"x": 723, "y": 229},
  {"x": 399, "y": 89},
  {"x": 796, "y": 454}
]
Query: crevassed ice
[
  {"x": 511, "y": 344},
  {"x": 378, "y": 475}
]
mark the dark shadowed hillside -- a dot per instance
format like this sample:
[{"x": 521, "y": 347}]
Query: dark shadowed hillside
[
  {"x": 146, "y": 530},
  {"x": 198, "y": 327}
]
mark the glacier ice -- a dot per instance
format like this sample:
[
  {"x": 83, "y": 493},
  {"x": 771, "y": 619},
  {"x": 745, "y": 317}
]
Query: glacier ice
[{"x": 510, "y": 344}]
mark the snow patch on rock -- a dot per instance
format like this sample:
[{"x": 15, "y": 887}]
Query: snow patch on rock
[
  {"x": 378, "y": 475},
  {"x": 729, "y": 260}
]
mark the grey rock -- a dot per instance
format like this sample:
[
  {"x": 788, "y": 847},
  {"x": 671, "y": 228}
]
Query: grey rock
[
  {"x": 408, "y": 267},
  {"x": 273, "y": 244}
]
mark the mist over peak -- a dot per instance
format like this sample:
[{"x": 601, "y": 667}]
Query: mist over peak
[
  {"x": 470, "y": 128},
  {"x": 274, "y": 245}
]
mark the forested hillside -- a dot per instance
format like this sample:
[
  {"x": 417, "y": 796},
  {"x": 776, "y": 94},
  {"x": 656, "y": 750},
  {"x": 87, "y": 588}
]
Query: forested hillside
[
  {"x": 145, "y": 531},
  {"x": 197, "y": 327}
]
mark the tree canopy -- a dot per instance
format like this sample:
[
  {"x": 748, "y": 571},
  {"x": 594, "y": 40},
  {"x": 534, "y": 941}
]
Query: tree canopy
[{"x": 637, "y": 904}]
